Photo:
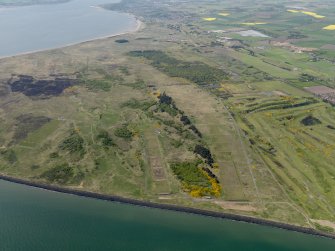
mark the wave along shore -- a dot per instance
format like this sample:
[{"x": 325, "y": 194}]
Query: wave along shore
[{"x": 169, "y": 207}]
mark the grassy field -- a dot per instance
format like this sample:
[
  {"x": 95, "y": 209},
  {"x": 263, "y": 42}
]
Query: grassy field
[
  {"x": 221, "y": 96},
  {"x": 299, "y": 155}
]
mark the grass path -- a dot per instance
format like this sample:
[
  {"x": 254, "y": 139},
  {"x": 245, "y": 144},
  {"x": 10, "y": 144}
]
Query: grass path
[
  {"x": 218, "y": 128},
  {"x": 155, "y": 158}
]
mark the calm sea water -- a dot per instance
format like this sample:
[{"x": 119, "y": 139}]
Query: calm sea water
[
  {"x": 38, "y": 27},
  {"x": 35, "y": 219}
]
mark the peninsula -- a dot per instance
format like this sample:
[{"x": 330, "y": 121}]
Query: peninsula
[{"x": 217, "y": 106}]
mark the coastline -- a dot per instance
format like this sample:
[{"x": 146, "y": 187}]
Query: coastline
[
  {"x": 138, "y": 26},
  {"x": 136, "y": 202},
  {"x": 169, "y": 207}
]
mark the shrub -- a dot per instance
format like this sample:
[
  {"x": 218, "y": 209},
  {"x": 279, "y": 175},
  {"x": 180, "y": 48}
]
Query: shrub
[
  {"x": 165, "y": 99},
  {"x": 190, "y": 173},
  {"x": 105, "y": 139},
  {"x": 54, "y": 155},
  {"x": 124, "y": 70},
  {"x": 34, "y": 167},
  {"x": 204, "y": 153},
  {"x": 196, "y": 131},
  {"x": 196, "y": 180},
  {"x": 9, "y": 155},
  {"x": 197, "y": 72},
  {"x": 310, "y": 121},
  {"x": 185, "y": 120},
  {"x": 168, "y": 109},
  {"x": 123, "y": 132},
  {"x": 63, "y": 174},
  {"x": 73, "y": 144}
]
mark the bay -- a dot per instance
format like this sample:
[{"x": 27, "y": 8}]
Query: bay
[{"x": 40, "y": 27}]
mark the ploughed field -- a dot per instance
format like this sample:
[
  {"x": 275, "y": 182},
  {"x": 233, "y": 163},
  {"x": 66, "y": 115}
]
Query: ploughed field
[{"x": 222, "y": 106}]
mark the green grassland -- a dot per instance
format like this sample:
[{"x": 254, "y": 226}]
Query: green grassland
[
  {"x": 299, "y": 155},
  {"x": 137, "y": 113}
]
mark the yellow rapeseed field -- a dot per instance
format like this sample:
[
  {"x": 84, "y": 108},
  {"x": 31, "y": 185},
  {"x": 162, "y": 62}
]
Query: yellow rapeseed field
[
  {"x": 209, "y": 19},
  {"x": 330, "y": 27},
  {"x": 257, "y": 23},
  {"x": 309, "y": 13},
  {"x": 313, "y": 14},
  {"x": 293, "y": 11}
]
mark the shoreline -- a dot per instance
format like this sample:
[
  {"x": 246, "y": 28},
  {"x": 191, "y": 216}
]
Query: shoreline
[
  {"x": 138, "y": 26},
  {"x": 169, "y": 207},
  {"x": 142, "y": 203}
]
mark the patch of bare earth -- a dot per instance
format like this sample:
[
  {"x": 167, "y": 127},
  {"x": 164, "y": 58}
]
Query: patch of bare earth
[
  {"x": 325, "y": 223},
  {"x": 236, "y": 206},
  {"x": 292, "y": 47},
  {"x": 328, "y": 47}
]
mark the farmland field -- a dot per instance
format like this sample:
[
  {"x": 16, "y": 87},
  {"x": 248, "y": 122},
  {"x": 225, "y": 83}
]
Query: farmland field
[{"x": 223, "y": 89}]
